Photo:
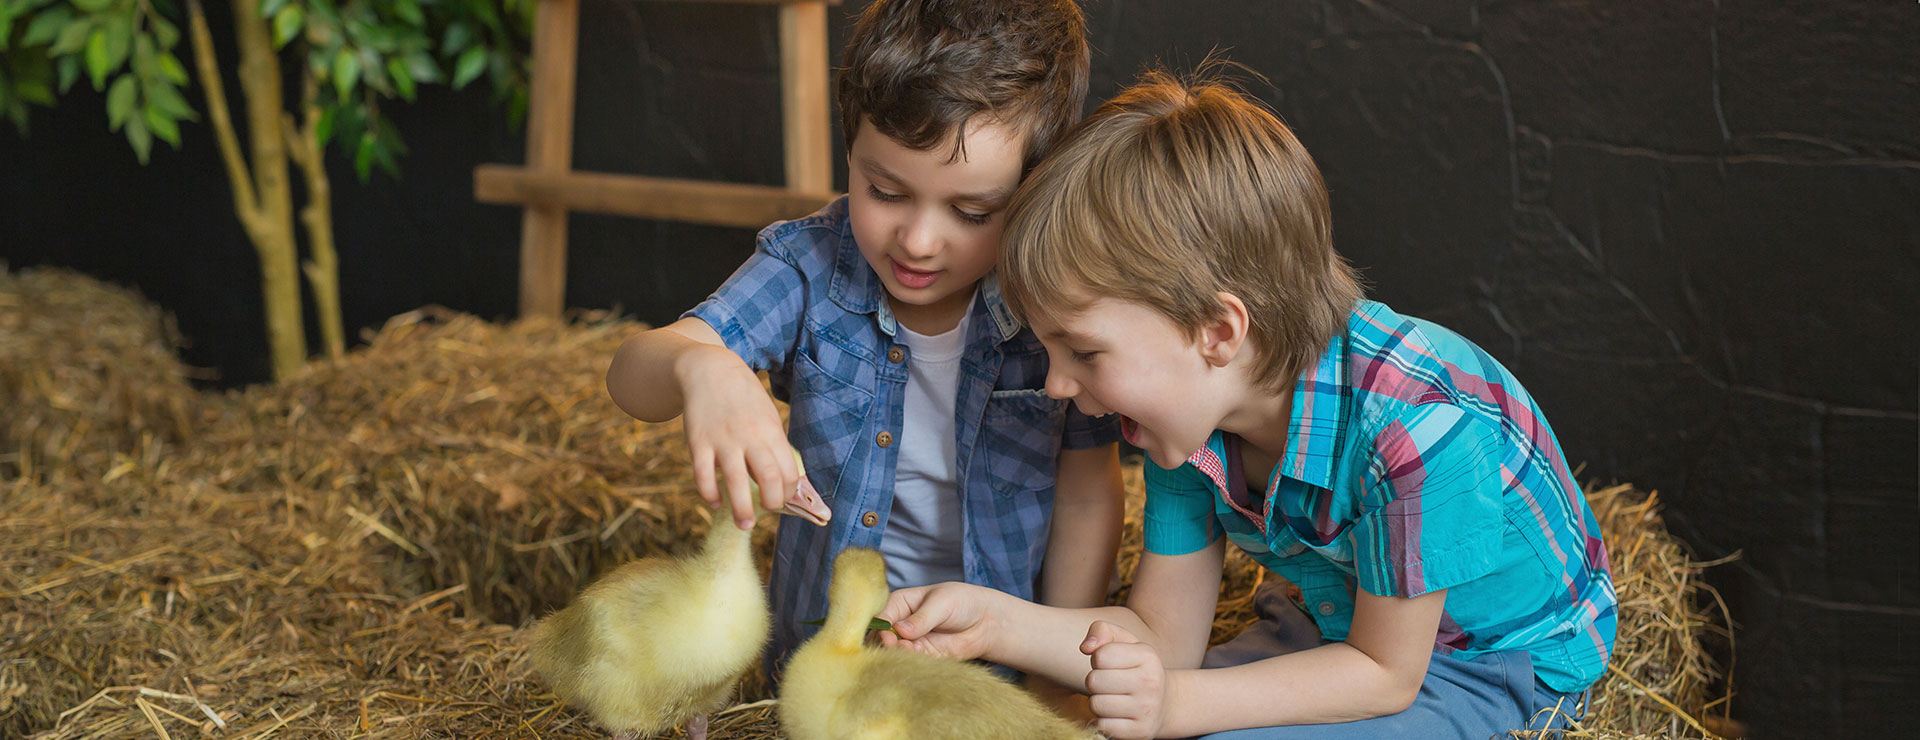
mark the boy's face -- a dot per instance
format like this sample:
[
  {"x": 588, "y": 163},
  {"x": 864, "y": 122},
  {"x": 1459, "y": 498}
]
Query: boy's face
[
  {"x": 1121, "y": 357},
  {"x": 931, "y": 227}
]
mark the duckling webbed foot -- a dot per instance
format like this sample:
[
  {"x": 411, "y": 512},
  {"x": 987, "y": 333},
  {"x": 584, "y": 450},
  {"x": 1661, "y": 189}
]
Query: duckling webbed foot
[{"x": 697, "y": 727}]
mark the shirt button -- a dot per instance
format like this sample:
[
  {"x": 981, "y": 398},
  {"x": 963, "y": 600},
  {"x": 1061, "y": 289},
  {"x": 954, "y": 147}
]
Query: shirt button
[
  {"x": 1326, "y": 608},
  {"x": 884, "y": 439},
  {"x": 870, "y": 518},
  {"x": 896, "y": 354}
]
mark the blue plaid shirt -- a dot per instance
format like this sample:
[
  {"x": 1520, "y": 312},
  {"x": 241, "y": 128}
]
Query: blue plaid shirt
[{"x": 807, "y": 308}]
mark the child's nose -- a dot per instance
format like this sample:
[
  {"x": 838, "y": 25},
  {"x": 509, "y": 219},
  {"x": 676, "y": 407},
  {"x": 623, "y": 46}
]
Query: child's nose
[
  {"x": 1061, "y": 386},
  {"x": 919, "y": 239}
]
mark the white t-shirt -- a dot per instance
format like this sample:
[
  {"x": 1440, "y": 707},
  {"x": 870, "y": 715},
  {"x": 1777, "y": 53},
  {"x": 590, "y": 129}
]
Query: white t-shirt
[{"x": 922, "y": 541}]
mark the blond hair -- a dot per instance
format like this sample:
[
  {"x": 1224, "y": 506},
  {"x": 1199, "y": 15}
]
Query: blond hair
[{"x": 1170, "y": 193}]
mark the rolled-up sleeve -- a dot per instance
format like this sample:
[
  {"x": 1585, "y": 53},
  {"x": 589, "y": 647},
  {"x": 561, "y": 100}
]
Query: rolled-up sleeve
[
  {"x": 757, "y": 311},
  {"x": 1431, "y": 511},
  {"x": 1179, "y": 516}
]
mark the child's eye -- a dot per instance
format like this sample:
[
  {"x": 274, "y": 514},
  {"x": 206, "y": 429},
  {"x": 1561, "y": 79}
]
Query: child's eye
[
  {"x": 883, "y": 196},
  {"x": 1084, "y": 357},
  {"x": 977, "y": 219}
]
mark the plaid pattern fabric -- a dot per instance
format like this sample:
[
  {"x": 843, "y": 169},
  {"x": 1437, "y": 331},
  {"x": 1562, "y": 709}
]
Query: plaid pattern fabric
[
  {"x": 1415, "y": 463},
  {"x": 807, "y": 308}
]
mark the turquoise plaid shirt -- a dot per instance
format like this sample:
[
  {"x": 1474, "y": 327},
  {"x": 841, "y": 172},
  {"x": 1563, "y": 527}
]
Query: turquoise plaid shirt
[
  {"x": 807, "y": 308},
  {"x": 1414, "y": 463}
]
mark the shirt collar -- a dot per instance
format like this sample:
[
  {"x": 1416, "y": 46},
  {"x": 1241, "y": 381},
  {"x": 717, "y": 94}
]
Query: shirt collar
[
  {"x": 1315, "y": 424},
  {"x": 856, "y": 289}
]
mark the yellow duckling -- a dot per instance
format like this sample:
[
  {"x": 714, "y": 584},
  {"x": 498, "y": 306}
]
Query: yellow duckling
[
  {"x": 661, "y": 641},
  {"x": 836, "y": 687}
]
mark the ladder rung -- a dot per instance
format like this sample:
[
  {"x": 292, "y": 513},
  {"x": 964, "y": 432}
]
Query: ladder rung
[{"x": 639, "y": 196}]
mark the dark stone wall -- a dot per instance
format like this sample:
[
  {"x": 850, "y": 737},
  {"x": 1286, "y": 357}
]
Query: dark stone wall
[{"x": 1692, "y": 227}]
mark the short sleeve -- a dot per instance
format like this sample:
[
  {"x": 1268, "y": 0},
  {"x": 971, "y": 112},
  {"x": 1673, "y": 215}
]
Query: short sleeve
[
  {"x": 1084, "y": 432},
  {"x": 757, "y": 311},
  {"x": 1431, "y": 512},
  {"x": 1179, "y": 516}
]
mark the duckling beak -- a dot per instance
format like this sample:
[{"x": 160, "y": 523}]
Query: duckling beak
[{"x": 807, "y": 504}]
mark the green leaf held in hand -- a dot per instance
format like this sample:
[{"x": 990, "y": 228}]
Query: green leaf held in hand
[{"x": 876, "y": 624}]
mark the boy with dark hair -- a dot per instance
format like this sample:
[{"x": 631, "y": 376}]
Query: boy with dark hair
[
  {"x": 1175, "y": 256},
  {"x": 917, "y": 400}
]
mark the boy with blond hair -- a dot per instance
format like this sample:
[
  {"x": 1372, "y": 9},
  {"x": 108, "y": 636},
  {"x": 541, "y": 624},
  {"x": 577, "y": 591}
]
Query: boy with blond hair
[
  {"x": 1175, "y": 257},
  {"x": 916, "y": 399}
]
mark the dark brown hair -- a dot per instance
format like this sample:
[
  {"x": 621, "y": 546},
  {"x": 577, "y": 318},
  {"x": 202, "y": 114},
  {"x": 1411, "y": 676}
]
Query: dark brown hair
[{"x": 919, "y": 70}]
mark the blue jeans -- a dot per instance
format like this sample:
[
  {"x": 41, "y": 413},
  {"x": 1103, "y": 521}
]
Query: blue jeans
[{"x": 1485, "y": 696}]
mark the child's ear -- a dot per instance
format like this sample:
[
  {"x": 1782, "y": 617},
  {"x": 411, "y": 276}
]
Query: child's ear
[{"x": 1222, "y": 337}]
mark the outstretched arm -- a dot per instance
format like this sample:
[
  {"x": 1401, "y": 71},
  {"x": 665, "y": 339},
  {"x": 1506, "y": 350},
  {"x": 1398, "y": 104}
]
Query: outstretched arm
[
  {"x": 732, "y": 426},
  {"x": 1377, "y": 671},
  {"x": 1089, "y": 505}
]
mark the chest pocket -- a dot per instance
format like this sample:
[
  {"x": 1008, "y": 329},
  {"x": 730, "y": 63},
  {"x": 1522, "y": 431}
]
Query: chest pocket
[
  {"x": 827, "y": 414},
  {"x": 1020, "y": 434}
]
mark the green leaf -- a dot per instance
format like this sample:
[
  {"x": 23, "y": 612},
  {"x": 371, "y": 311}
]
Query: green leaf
[
  {"x": 409, "y": 11},
  {"x": 120, "y": 100},
  {"x": 119, "y": 40},
  {"x": 172, "y": 69},
  {"x": 33, "y": 90},
  {"x": 517, "y": 107},
  {"x": 144, "y": 64},
  {"x": 363, "y": 158},
  {"x": 69, "y": 71},
  {"x": 96, "y": 53},
  {"x": 269, "y": 8},
  {"x": 287, "y": 24},
  {"x": 92, "y": 6},
  {"x": 46, "y": 27},
  {"x": 471, "y": 64},
  {"x": 163, "y": 96},
  {"x": 402, "y": 79},
  {"x": 6, "y": 24},
  {"x": 876, "y": 624},
  {"x": 71, "y": 38},
  {"x": 140, "y": 138},
  {"x": 421, "y": 67},
  {"x": 164, "y": 32},
  {"x": 323, "y": 128},
  {"x": 346, "y": 72},
  {"x": 163, "y": 126},
  {"x": 457, "y": 37}
]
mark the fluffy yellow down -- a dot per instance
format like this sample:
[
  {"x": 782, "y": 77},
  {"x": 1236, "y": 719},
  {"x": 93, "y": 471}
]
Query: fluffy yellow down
[
  {"x": 658, "y": 641},
  {"x": 837, "y": 688}
]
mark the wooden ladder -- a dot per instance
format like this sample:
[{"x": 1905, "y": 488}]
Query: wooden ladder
[{"x": 548, "y": 187}]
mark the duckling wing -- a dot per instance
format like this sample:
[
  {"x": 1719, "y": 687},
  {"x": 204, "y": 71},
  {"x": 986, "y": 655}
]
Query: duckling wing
[{"x": 917, "y": 696}]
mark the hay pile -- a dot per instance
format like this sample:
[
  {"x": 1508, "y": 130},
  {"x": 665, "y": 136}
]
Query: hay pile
[{"x": 351, "y": 552}]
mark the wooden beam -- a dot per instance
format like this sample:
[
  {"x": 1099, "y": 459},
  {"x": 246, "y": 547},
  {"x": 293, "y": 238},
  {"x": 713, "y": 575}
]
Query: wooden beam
[
  {"x": 543, "y": 230},
  {"x": 660, "y": 198},
  {"x": 806, "y": 106}
]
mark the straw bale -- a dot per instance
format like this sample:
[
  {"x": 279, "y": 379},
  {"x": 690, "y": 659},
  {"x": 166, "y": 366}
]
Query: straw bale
[
  {"x": 87, "y": 370},
  {"x": 354, "y": 551}
]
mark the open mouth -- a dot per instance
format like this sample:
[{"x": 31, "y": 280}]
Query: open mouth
[
  {"x": 912, "y": 278},
  {"x": 1130, "y": 430}
]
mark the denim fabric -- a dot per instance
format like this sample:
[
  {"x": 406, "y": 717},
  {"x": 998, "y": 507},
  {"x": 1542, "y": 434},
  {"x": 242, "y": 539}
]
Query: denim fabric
[{"x": 808, "y": 309}]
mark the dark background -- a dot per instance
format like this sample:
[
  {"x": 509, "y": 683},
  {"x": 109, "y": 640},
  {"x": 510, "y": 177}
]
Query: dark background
[{"x": 1692, "y": 227}]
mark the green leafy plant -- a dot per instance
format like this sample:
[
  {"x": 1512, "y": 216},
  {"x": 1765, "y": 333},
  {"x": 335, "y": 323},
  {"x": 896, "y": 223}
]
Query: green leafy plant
[{"x": 352, "y": 57}]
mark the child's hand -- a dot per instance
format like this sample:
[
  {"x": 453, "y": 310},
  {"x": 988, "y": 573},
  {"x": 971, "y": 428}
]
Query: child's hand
[
  {"x": 1128, "y": 683},
  {"x": 946, "y": 619},
  {"x": 734, "y": 431}
]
